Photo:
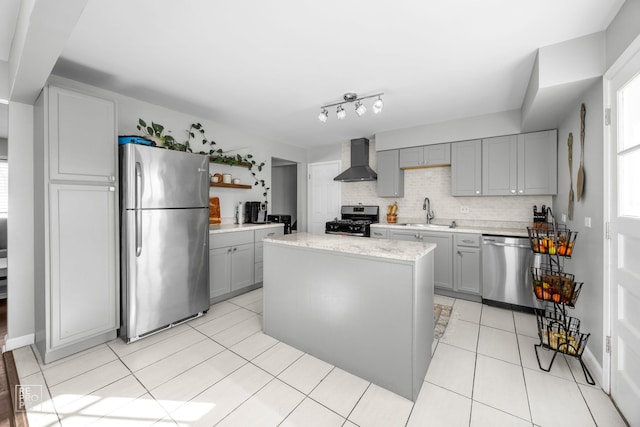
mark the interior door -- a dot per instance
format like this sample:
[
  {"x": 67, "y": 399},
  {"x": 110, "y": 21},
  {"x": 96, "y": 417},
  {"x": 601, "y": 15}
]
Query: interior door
[
  {"x": 624, "y": 249},
  {"x": 324, "y": 195}
]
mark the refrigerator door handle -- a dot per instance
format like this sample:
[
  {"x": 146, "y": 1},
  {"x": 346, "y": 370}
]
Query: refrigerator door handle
[
  {"x": 137, "y": 209},
  {"x": 138, "y": 233},
  {"x": 138, "y": 188}
]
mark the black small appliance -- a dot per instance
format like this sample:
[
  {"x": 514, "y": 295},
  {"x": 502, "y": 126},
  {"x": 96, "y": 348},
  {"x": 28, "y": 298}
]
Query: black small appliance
[
  {"x": 255, "y": 212},
  {"x": 280, "y": 218}
]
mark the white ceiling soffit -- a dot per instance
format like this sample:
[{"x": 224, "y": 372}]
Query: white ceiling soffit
[
  {"x": 267, "y": 67},
  {"x": 8, "y": 19}
]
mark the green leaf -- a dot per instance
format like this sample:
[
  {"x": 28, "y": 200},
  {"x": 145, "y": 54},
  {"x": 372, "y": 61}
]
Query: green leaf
[
  {"x": 142, "y": 123},
  {"x": 149, "y": 130},
  {"x": 249, "y": 156},
  {"x": 157, "y": 128},
  {"x": 192, "y": 135},
  {"x": 260, "y": 168}
]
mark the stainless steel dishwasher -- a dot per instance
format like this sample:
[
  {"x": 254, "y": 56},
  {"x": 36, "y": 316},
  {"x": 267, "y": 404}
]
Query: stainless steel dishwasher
[{"x": 506, "y": 276}]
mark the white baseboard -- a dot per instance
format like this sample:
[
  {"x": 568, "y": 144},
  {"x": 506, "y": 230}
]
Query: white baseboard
[
  {"x": 592, "y": 364},
  {"x": 13, "y": 343}
]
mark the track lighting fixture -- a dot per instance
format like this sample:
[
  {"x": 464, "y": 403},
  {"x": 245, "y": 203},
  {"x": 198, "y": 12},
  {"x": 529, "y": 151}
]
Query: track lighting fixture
[{"x": 359, "y": 106}]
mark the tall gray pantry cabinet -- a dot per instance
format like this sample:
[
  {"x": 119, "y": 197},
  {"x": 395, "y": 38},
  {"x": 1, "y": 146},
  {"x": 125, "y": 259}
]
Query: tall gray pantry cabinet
[{"x": 76, "y": 260}]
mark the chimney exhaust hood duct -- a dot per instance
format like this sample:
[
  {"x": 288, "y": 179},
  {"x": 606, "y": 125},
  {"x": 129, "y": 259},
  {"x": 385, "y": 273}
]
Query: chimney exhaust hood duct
[{"x": 359, "y": 170}]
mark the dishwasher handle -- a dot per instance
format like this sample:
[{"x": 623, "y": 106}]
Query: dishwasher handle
[{"x": 492, "y": 242}]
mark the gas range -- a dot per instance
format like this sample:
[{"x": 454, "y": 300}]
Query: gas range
[{"x": 355, "y": 220}]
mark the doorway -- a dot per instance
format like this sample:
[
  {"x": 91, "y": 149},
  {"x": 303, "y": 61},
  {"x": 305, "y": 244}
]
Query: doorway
[
  {"x": 623, "y": 246},
  {"x": 284, "y": 189},
  {"x": 324, "y": 195}
]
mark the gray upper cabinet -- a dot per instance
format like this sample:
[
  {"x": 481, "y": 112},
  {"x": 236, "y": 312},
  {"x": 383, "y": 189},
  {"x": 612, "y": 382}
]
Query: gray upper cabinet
[
  {"x": 466, "y": 168},
  {"x": 538, "y": 163},
  {"x": 427, "y": 155},
  {"x": 499, "y": 165},
  {"x": 82, "y": 136},
  {"x": 390, "y": 176},
  {"x": 524, "y": 164}
]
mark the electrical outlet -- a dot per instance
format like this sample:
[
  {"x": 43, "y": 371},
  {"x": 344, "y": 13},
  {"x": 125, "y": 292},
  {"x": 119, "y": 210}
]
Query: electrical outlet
[
  {"x": 465, "y": 209},
  {"x": 564, "y": 217},
  {"x": 587, "y": 221}
]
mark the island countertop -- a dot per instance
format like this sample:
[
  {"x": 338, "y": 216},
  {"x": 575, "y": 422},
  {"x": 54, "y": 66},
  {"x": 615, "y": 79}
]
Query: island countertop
[
  {"x": 230, "y": 228},
  {"x": 376, "y": 248}
]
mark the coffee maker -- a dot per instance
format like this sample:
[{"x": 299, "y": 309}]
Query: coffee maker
[{"x": 255, "y": 212}]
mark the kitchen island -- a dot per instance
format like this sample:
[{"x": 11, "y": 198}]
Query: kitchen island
[{"x": 363, "y": 305}]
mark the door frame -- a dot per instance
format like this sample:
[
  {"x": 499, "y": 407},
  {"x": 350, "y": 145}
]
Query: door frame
[
  {"x": 309, "y": 190},
  {"x": 632, "y": 53}
]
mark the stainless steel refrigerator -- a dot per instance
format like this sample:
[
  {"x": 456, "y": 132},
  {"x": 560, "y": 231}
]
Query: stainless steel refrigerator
[{"x": 164, "y": 240}]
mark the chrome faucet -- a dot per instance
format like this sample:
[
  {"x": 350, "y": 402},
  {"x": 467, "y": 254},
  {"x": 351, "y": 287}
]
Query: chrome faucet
[{"x": 426, "y": 206}]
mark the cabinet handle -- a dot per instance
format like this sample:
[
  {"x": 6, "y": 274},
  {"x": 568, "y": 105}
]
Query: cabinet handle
[
  {"x": 270, "y": 234},
  {"x": 477, "y": 191},
  {"x": 112, "y": 178},
  {"x": 112, "y": 189},
  {"x": 229, "y": 250},
  {"x": 513, "y": 191},
  {"x": 235, "y": 249},
  {"x": 459, "y": 253},
  {"x": 468, "y": 241},
  {"x": 521, "y": 191}
]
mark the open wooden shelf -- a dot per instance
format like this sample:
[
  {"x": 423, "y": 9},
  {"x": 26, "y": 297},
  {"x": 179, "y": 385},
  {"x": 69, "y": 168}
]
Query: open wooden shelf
[
  {"x": 213, "y": 161},
  {"x": 221, "y": 184}
]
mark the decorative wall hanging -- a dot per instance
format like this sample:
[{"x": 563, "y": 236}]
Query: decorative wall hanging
[
  {"x": 581, "y": 177},
  {"x": 570, "y": 147}
]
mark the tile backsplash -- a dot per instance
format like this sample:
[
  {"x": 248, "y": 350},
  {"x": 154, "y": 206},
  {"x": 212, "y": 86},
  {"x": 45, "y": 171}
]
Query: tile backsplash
[{"x": 435, "y": 183}]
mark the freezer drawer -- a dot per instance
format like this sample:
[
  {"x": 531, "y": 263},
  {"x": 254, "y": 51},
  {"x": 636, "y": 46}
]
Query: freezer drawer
[
  {"x": 165, "y": 275},
  {"x": 154, "y": 178}
]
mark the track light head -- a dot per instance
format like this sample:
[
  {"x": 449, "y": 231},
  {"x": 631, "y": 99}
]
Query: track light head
[
  {"x": 378, "y": 105},
  {"x": 360, "y": 109},
  {"x": 340, "y": 113},
  {"x": 323, "y": 116}
]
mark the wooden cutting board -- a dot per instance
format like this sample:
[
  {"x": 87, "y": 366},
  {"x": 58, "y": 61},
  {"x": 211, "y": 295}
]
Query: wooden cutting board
[{"x": 214, "y": 210}]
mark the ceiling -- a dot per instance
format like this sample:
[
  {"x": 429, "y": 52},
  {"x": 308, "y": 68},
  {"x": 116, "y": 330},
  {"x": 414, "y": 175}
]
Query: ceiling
[{"x": 266, "y": 67}]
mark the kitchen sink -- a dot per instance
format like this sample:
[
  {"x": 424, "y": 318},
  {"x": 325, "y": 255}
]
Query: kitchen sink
[{"x": 425, "y": 225}]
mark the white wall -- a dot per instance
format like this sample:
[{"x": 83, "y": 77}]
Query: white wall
[
  {"x": 589, "y": 243},
  {"x": 496, "y": 124},
  {"x": 20, "y": 312},
  {"x": 284, "y": 183},
  {"x": 622, "y": 31}
]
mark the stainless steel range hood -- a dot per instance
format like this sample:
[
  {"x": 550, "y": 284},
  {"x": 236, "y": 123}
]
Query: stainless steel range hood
[{"x": 360, "y": 169}]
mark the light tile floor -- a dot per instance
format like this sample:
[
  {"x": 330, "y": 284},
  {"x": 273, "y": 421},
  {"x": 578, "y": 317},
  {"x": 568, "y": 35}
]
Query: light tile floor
[{"x": 221, "y": 370}]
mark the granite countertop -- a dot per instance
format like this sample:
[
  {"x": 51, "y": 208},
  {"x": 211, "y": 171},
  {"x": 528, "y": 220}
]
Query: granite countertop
[
  {"x": 474, "y": 229},
  {"x": 377, "y": 248},
  {"x": 228, "y": 228}
]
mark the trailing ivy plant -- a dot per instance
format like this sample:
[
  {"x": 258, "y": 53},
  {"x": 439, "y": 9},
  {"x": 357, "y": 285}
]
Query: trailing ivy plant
[{"x": 155, "y": 132}]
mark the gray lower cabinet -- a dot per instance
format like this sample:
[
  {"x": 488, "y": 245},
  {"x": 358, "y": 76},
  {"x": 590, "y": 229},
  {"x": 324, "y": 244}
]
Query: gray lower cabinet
[
  {"x": 467, "y": 273},
  {"x": 442, "y": 262},
  {"x": 466, "y": 168},
  {"x": 231, "y": 262},
  {"x": 390, "y": 181},
  {"x": 259, "y": 235},
  {"x": 380, "y": 233},
  {"x": 76, "y": 256}
]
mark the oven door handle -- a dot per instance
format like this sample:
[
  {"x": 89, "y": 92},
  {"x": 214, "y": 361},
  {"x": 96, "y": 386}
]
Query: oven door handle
[{"x": 345, "y": 233}]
